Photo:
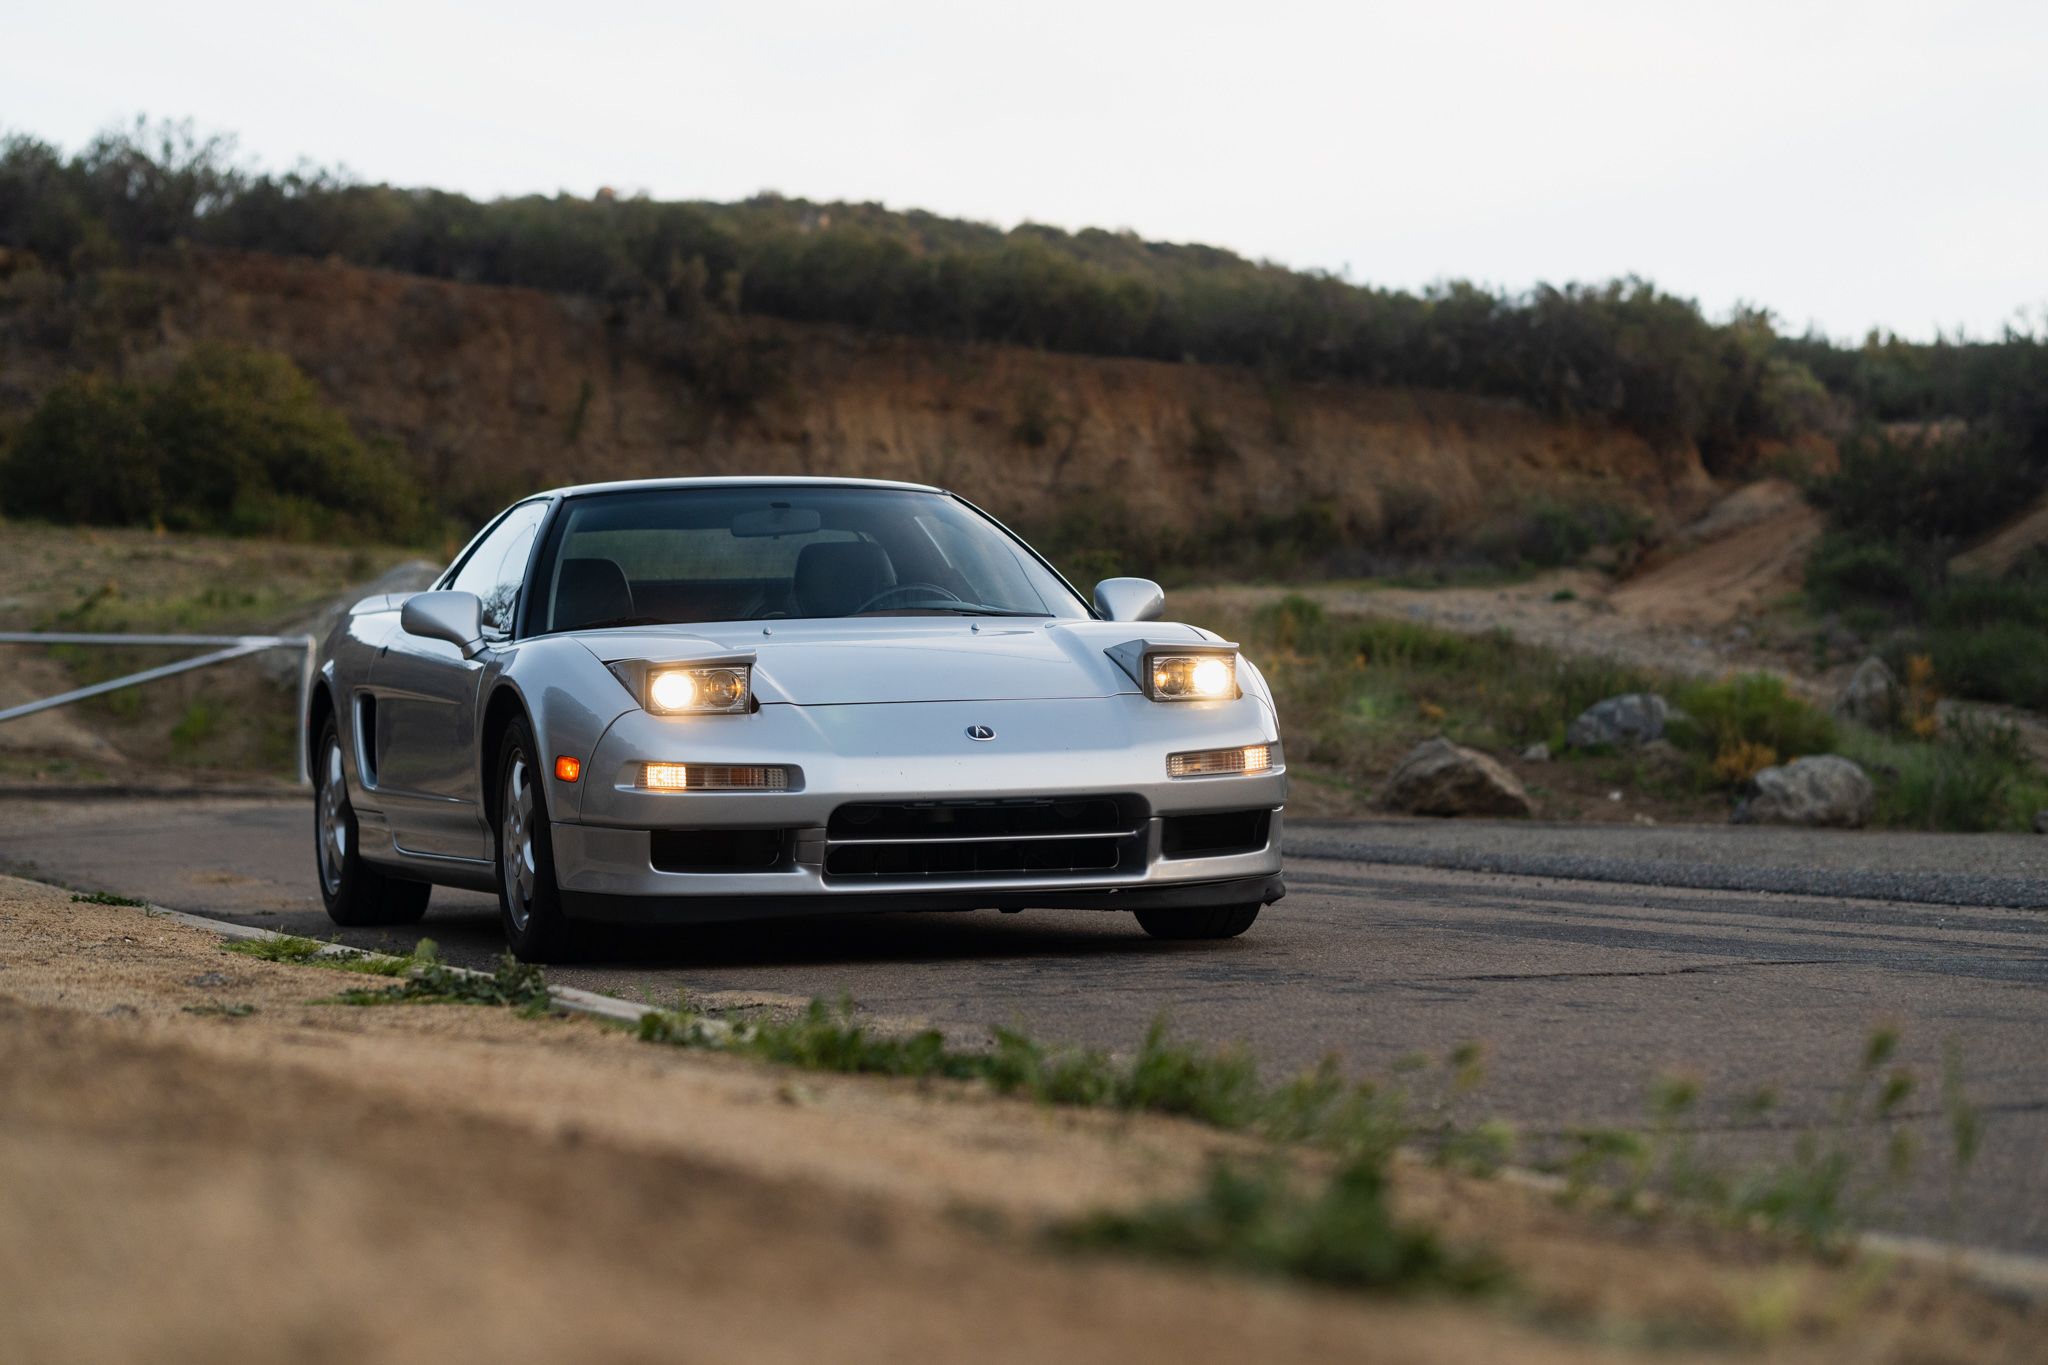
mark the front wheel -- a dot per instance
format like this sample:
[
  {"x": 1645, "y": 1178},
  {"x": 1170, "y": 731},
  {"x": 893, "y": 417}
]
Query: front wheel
[
  {"x": 529, "y": 902},
  {"x": 354, "y": 892},
  {"x": 1218, "y": 921}
]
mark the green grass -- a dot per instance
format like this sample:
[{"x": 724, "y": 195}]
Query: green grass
[
  {"x": 1977, "y": 776},
  {"x": 104, "y": 898},
  {"x": 311, "y": 952},
  {"x": 1358, "y": 692},
  {"x": 1835, "y": 1179},
  {"x": 219, "y": 1011},
  {"x": 1259, "y": 1221},
  {"x": 425, "y": 980}
]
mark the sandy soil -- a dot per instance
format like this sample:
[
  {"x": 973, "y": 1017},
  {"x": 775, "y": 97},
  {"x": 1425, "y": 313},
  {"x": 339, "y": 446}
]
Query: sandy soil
[{"x": 319, "y": 1182}]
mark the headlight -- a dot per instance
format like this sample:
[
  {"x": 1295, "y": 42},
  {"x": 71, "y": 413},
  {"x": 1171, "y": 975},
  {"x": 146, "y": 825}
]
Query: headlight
[
  {"x": 1191, "y": 677},
  {"x": 688, "y": 689}
]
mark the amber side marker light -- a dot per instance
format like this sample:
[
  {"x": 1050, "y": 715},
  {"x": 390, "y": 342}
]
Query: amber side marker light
[{"x": 568, "y": 769}]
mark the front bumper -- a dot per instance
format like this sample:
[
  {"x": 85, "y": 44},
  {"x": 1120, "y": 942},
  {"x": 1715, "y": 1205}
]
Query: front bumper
[{"x": 605, "y": 865}]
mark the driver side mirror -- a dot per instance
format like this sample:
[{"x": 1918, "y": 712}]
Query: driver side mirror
[
  {"x": 1130, "y": 599},
  {"x": 456, "y": 617}
]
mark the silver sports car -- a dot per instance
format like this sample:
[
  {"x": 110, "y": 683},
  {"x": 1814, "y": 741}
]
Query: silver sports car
[{"x": 714, "y": 699}]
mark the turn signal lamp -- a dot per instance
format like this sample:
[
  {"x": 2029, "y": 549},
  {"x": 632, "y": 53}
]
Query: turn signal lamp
[
  {"x": 568, "y": 769},
  {"x": 1254, "y": 758},
  {"x": 712, "y": 777}
]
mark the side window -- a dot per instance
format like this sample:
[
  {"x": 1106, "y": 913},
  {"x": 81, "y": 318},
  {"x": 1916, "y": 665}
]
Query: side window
[{"x": 498, "y": 565}]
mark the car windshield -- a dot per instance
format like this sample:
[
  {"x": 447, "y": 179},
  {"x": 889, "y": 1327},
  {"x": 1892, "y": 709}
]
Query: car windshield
[{"x": 764, "y": 553}]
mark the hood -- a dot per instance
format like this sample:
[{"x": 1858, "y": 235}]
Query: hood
[{"x": 902, "y": 658}]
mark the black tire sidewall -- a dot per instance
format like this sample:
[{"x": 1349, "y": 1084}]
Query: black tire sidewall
[
  {"x": 364, "y": 896},
  {"x": 547, "y": 935}
]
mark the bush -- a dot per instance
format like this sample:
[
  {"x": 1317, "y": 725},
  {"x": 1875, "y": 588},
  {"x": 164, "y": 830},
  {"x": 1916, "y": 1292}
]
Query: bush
[
  {"x": 1846, "y": 569},
  {"x": 235, "y": 440},
  {"x": 1735, "y": 718},
  {"x": 1977, "y": 777},
  {"x": 1998, "y": 661}
]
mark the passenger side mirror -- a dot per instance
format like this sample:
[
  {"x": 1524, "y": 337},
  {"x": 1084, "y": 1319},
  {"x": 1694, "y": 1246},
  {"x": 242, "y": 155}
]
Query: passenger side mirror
[
  {"x": 456, "y": 617},
  {"x": 1130, "y": 599}
]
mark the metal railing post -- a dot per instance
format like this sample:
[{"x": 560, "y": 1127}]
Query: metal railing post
[{"x": 226, "y": 647}]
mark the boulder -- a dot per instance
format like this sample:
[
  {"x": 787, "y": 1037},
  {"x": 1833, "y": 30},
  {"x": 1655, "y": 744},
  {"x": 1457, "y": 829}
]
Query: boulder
[
  {"x": 1872, "y": 696},
  {"x": 1620, "y": 722},
  {"x": 1539, "y": 752},
  {"x": 1825, "y": 790},
  {"x": 1440, "y": 778}
]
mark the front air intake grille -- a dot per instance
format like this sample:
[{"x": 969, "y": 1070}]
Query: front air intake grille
[
  {"x": 1031, "y": 837},
  {"x": 720, "y": 850},
  {"x": 1213, "y": 835}
]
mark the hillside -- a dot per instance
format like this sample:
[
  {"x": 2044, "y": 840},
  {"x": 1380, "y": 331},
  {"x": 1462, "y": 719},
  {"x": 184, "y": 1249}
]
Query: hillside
[{"x": 486, "y": 391}]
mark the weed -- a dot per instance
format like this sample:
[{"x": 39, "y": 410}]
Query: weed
[
  {"x": 1740, "y": 760},
  {"x": 1564, "y": 595},
  {"x": 105, "y": 898},
  {"x": 1754, "y": 709},
  {"x": 276, "y": 947},
  {"x": 427, "y": 980},
  {"x": 1827, "y": 1188},
  {"x": 1343, "y": 1234}
]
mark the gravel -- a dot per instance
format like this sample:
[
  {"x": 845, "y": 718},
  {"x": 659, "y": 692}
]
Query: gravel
[{"x": 2009, "y": 871}]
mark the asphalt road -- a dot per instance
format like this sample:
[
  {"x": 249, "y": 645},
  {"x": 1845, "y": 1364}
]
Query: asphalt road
[{"x": 1665, "y": 954}]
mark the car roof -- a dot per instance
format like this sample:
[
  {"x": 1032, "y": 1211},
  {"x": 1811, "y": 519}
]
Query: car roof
[{"x": 734, "y": 481}]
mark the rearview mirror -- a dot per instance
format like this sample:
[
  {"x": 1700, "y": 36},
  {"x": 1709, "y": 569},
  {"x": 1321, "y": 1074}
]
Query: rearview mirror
[
  {"x": 778, "y": 519},
  {"x": 1130, "y": 599},
  {"x": 456, "y": 617}
]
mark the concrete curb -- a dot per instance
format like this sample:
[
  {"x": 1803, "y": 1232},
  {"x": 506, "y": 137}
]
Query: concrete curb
[{"x": 572, "y": 998}]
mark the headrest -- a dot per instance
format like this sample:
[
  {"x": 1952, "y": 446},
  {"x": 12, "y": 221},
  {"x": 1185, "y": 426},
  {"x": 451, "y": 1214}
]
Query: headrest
[
  {"x": 833, "y": 578},
  {"x": 591, "y": 592}
]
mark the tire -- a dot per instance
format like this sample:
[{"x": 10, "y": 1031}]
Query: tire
[
  {"x": 354, "y": 892},
  {"x": 1216, "y": 921},
  {"x": 529, "y": 901}
]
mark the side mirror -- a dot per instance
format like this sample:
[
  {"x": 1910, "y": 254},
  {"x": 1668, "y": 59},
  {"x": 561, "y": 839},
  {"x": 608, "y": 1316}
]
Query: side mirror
[
  {"x": 457, "y": 617},
  {"x": 1130, "y": 599}
]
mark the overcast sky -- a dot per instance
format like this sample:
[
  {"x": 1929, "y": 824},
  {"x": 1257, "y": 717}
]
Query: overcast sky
[{"x": 1845, "y": 164}]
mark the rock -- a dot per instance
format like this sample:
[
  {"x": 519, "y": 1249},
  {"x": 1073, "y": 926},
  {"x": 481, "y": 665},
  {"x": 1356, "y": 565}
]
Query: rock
[
  {"x": 1664, "y": 760},
  {"x": 1539, "y": 752},
  {"x": 1620, "y": 722},
  {"x": 2041, "y": 822},
  {"x": 1826, "y": 790},
  {"x": 1872, "y": 695},
  {"x": 1440, "y": 778}
]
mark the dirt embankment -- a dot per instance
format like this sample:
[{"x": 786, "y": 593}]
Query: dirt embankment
[
  {"x": 204, "y": 1159},
  {"x": 492, "y": 391}
]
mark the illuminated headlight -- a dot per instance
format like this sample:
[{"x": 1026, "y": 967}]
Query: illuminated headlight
[
  {"x": 1252, "y": 758},
  {"x": 711, "y": 777},
  {"x": 1192, "y": 677},
  {"x": 678, "y": 690}
]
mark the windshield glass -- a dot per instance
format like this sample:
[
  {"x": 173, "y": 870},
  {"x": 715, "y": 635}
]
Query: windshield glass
[{"x": 669, "y": 556}]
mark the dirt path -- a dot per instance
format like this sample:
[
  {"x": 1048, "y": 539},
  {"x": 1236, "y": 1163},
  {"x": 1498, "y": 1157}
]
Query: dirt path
[{"x": 311, "y": 1181}]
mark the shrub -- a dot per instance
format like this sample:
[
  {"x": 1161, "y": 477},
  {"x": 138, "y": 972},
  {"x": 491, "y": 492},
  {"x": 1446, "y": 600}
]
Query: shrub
[
  {"x": 1847, "y": 569},
  {"x": 234, "y": 440},
  {"x": 1998, "y": 661},
  {"x": 86, "y": 455},
  {"x": 1753, "y": 710}
]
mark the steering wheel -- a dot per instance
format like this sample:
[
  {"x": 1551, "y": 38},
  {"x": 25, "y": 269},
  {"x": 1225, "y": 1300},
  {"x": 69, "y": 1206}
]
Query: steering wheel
[{"x": 901, "y": 588}]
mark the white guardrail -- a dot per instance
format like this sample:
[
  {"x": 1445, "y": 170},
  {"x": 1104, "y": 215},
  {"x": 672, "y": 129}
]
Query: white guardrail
[{"x": 226, "y": 647}]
